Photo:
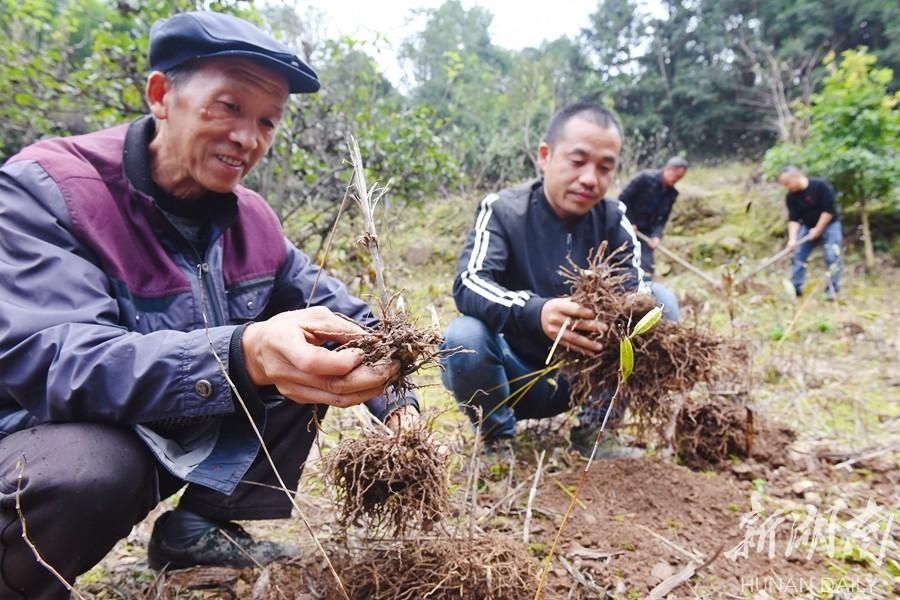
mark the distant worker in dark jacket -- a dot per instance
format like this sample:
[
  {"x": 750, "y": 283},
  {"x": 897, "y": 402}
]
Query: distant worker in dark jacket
[
  {"x": 649, "y": 198},
  {"x": 812, "y": 211},
  {"x": 508, "y": 287},
  {"x": 140, "y": 282}
]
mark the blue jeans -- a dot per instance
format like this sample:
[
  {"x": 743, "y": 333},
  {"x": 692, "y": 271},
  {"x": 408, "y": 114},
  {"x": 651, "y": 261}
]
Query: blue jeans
[
  {"x": 831, "y": 241},
  {"x": 670, "y": 310},
  {"x": 493, "y": 378},
  {"x": 490, "y": 374}
]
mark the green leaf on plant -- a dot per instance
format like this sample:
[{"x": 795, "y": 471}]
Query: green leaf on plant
[
  {"x": 626, "y": 358},
  {"x": 647, "y": 321}
]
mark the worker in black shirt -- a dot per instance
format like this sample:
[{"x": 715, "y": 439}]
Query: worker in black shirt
[
  {"x": 649, "y": 197},
  {"x": 812, "y": 210}
]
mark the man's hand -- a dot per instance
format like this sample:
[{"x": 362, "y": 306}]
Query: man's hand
[
  {"x": 403, "y": 418},
  {"x": 814, "y": 233},
  {"x": 554, "y": 314},
  {"x": 792, "y": 244},
  {"x": 653, "y": 243},
  {"x": 286, "y": 352}
]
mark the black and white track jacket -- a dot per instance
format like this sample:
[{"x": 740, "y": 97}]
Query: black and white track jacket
[{"x": 509, "y": 265}]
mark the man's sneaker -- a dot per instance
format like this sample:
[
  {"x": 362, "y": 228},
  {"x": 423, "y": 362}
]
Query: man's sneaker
[
  {"x": 583, "y": 438},
  {"x": 497, "y": 456},
  {"x": 498, "y": 450},
  {"x": 227, "y": 545}
]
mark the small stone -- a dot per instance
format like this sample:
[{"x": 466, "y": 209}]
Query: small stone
[
  {"x": 813, "y": 498},
  {"x": 662, "y": 571},
  {"x": 742, "y": 471},
  {"x": 418, "y": 253},
  {"x": 801, "y": 487}
]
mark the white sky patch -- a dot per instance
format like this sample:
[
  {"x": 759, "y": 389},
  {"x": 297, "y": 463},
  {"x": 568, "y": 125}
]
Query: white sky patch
[{"x": 516, "y": 24}]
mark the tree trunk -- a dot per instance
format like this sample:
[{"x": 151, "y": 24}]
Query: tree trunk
[{"x": 867, "y": 236}]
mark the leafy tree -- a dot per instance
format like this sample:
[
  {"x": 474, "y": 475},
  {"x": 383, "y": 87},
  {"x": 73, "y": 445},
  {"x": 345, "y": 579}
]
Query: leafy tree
[
  {"x": 854, "y": 137},
  {"x": 493, "y": 103},
  {"x": 70, "y": 66}
]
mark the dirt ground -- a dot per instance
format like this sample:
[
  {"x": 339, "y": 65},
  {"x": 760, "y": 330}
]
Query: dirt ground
[
  {"x": 819, "y": 520},
  {"x": 636, "y": 523}
]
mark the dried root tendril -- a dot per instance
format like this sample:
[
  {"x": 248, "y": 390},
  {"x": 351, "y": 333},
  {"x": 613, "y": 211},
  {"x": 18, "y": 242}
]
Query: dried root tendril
[{"x": 398, "y": 339}]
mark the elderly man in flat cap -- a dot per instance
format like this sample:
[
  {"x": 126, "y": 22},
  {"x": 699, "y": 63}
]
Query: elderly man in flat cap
[{"x": 150, "y": 308}]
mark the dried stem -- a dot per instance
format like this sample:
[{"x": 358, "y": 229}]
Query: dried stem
[
  {"x": 366, "y": 202},
  {"x": 531, "y": 495},
  {"x": 581, "y": 480},
  {"x": 328, "y": 243}
]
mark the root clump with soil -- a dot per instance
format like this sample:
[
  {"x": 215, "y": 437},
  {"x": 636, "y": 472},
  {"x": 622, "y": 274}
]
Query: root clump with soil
[
  {"x": 670, "y": 358},
  {"x": 393, "y": 482},
  {"x": 396, "y": 338},
  {"x": 491, "y": 567},
  {"x": 710, "y": 434}
]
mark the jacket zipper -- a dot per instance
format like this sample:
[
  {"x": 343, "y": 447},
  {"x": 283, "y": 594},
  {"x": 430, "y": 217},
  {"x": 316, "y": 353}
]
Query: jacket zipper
[
  {"x": 209, "y": 292},
  {"x": 207, "y": 288},
  {"x": 569, "y": 245}
]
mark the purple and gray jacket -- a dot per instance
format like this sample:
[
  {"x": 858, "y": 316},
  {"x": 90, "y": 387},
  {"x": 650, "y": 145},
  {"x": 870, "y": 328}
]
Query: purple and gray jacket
[{"x": 102, "y": 304}]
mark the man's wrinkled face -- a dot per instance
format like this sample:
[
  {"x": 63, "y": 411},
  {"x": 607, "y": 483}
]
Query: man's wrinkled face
[
  {"x": 672, "y": 175},
  {"x": 220, "y": 121},
  {"x": 580, "y": 167}
]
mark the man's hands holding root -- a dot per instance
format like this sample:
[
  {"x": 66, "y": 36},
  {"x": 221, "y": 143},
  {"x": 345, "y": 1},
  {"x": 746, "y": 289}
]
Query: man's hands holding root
[
  {"x": 581, "y": 319},
  {"x": 286, "y": 351}
]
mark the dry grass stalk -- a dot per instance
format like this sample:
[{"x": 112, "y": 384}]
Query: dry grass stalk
[
  {"x": 237, "y": 394},
  {"x": 367, "y": 199},
  {"x": 389, "y": 482},
  {"x": 396, "y": 337},
  {"x": 669, "y": 358},
  {"x": 20, "y": 472}
]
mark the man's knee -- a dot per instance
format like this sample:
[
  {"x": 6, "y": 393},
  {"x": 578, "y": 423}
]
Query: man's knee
[
  {"x": 667, "y": 299},
  {"x": 468, "y": 332},
  {"x": 480, "y": 347},
  {"x": 91, "y": 466},
  {"x": 81, "y": 486}
]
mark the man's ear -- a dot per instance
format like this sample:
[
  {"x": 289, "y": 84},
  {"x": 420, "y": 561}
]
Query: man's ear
[
  {"x": 158, "y": 86},
  {"x": 543, "y": 155}
]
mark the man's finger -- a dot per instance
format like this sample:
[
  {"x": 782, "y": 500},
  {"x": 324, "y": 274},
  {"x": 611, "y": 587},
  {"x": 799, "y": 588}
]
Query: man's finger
[
  {"x": 303, "y": 394},
  {"x": 590, "y": 325},
  {"x": 572, "y": 309},
  {"x": 580, "y": 343}
]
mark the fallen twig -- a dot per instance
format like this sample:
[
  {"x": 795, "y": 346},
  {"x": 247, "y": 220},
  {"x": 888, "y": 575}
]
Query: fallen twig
[
  {"x": 584, "y": 581},
  {"x": 531, "y": 495},
  {"x": 20, "y": 471},
  {"x": 667, "y": 585},
  {"x": 691, "y": 555}
]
